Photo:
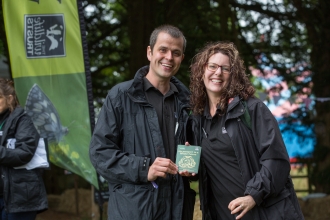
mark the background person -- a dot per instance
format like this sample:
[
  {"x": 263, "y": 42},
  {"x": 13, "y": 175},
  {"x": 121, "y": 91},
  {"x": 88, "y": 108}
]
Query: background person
[
  {"x": 135, "y": 139},
  {"x": 244, "y": 172},
  {"x": 22, "y": 192}
]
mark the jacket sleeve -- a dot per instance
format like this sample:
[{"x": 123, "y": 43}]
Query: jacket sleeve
[
  {"x": 274, "y": 159},
  {"x": 27, "y": 138},
  {"x": 106, "y": 153}
]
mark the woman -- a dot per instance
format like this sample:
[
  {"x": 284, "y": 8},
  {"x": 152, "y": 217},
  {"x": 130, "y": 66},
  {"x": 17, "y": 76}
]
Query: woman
[
  {"x": 244, "y": 172},
  {"x": 22, "y": 192}
]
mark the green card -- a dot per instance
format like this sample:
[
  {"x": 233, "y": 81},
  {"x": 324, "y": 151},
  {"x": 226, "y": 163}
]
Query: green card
[{"x": 188, "y": 157}]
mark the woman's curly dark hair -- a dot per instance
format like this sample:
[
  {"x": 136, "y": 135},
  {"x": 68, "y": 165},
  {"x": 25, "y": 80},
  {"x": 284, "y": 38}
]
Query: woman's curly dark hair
[{"x": 238, "y": 84}]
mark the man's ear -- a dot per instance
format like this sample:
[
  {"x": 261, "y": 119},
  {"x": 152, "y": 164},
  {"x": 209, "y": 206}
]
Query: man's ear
[{"x": 149, "y": 53}]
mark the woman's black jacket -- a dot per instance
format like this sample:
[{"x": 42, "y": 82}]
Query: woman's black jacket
[
  {"x": 24, "y": 190},
  {"x": 262, "y": 158}
]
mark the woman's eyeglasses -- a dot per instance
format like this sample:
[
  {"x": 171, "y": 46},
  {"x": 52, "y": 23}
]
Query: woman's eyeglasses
[{"x": 214, "y": 67}]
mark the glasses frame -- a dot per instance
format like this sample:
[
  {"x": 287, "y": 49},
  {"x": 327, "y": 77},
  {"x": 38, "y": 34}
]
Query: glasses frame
[{"x": 222, "y": 70}]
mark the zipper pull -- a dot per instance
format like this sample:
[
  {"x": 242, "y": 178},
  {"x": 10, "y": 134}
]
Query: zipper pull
[{"x": 177, "y": 123}]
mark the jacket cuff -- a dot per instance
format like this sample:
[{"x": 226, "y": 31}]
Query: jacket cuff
[
  {"x": 256, "y": 195},
  {"x": 145, "y": 164}
]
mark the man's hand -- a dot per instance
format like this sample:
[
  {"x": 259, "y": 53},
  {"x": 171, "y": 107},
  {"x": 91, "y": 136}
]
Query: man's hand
[
  {"x": 241, "y": 205},
  {"x": 160, "y": 168}
]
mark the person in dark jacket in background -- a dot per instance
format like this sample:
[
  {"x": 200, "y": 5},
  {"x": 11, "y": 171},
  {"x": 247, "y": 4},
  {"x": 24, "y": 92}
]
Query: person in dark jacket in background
[
  {"x": 22, "y": 192},
  {"x": 245, "y": 169},
  {"x": 135, "y": 139}
]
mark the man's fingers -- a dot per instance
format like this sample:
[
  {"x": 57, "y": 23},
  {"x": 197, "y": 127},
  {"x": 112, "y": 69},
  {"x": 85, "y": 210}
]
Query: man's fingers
[
  {"x": 160, "y": 174},
  {"x": 161, "y": 167},
  {"x": 164, "y": 162}
]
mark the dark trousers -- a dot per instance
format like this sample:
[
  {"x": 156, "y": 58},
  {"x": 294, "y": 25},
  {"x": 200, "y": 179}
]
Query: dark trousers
[{"x": 15, "y": 216}]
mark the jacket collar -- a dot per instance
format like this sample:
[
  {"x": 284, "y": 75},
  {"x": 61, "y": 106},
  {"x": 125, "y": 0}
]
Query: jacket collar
[
  {"x": 231, "y": 110},
  {"x": 14, "y": 115},
  {"x": 235, "y": 108},
  {"x": 137, "y": 94}
]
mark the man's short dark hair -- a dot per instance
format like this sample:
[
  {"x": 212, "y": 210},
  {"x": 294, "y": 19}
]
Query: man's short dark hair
[{"x": 169, "y": 29}]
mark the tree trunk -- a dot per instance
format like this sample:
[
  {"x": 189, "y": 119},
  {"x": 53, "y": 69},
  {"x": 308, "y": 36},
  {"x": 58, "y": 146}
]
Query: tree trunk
[
  {"x": 319, "y": 34},
  {"x": 140, "y": 26}
]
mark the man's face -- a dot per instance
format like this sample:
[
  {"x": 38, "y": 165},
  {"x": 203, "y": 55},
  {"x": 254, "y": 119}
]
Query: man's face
[{"x": 166, "y": 57}]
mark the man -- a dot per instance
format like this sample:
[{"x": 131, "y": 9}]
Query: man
[{"x": 139, "y": 127}]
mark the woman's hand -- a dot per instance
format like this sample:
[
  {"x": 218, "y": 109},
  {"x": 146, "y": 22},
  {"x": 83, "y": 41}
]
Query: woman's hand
[
  {"x": 241, "y": 205},
  {"x": 186, "y": 173}
]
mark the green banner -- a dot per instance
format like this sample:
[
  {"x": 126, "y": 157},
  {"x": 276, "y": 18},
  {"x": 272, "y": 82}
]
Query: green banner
[{"x": 46, "y": 42}]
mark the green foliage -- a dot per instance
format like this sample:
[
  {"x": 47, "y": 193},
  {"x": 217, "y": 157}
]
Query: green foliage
[
  {"x": 111, "y": 50},
  {"x": 114, "y": 27},
  {"x": 106, "y": 25}
]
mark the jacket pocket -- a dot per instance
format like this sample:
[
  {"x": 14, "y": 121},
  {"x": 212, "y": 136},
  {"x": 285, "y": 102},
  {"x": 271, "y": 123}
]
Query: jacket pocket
[
  {"x": 128, "y": 201},
  {"x": 24, "y": 187}
]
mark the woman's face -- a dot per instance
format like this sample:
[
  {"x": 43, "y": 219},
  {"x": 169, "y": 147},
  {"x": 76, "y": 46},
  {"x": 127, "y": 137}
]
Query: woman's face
[
  {"x": 216, "y": 74},
  {"x": 3, "y": 104}
]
